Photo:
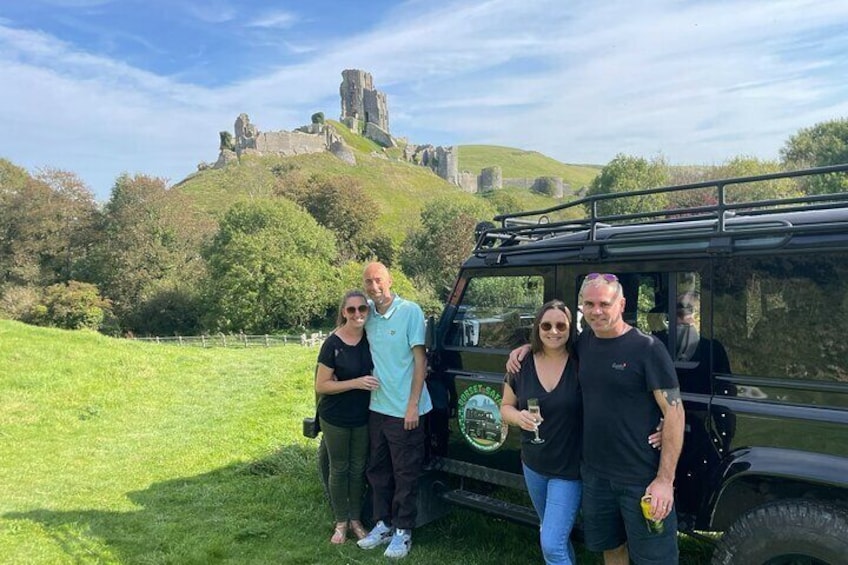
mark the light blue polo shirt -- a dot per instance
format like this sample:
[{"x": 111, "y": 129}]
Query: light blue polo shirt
[{"x": 392, "y": 336}]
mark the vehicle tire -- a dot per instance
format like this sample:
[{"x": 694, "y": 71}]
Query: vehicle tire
[{"x": 807, "y": 532}]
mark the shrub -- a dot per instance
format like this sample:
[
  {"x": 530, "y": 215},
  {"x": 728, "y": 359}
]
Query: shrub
[
  {"x": 545, "y": 185},
  {"x": 227, "y": 141},
  {"x": 18, "y": 302},
  {"x": 73, "y": 306}
]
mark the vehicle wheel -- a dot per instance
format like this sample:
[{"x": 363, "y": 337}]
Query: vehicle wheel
[{"x": 794, "y": 532}]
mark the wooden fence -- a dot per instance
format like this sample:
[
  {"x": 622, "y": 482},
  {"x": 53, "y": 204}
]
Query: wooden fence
[{"x": 239, "y": 340}]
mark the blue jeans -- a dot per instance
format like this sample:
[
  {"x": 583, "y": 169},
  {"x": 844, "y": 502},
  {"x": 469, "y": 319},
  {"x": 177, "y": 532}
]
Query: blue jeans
[{"x": 556, "y": 501}]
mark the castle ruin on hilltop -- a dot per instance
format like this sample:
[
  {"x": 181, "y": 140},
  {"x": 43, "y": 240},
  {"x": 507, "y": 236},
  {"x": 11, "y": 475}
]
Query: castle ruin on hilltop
[
  {"x": 364, "y": 108},
  {"x": 365, "y": 111}
]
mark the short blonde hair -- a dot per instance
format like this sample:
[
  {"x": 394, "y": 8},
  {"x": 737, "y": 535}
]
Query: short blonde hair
[{"x": 600, "y": 280}]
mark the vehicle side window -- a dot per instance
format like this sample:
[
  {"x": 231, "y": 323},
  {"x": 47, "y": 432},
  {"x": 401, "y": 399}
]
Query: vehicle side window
[
  {"x": 695, "y": 356},
  {"x": 497, "y": 312},
  {"x": 784, "y": 316}
]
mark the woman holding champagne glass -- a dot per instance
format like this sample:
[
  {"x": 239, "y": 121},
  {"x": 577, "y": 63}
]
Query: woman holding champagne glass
[{"x": 543, "y": 400}]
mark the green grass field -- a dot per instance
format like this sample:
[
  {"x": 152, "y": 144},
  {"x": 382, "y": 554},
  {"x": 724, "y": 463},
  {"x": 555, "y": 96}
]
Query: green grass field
[{"x": 114, "y": 451}]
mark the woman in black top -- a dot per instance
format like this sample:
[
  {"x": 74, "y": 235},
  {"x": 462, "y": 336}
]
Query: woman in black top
[
  {"x": 552, "y": 467},
  {"x": 344, "y": 381}
]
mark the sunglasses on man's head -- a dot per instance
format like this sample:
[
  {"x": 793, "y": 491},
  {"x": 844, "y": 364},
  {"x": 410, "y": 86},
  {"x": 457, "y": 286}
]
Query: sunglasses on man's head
[
  {"x": 547, "y": 326},
  {"x": 362, "y": 308},
  {"x": 608, "y": 277}
]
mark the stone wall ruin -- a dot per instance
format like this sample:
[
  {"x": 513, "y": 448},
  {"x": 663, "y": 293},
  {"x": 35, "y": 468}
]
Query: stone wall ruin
[
  {"x": 249, "y": 140},
  {"x": 364, "y": 110}
]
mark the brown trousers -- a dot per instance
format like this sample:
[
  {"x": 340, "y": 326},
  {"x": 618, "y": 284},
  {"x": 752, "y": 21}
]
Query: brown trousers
[{"x": 394, "y": 467}]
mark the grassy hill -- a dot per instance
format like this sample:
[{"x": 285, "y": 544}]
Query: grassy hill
[
  {"x": 401, "y": 189},
  {"x": 516, "y": 163},
  {"x": 114, "y": 451}
]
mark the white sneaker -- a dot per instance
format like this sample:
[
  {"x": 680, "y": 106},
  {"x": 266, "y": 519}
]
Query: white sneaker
[
  {"x": 379, "y": 535},
  {"x": 401, "y": 542}
]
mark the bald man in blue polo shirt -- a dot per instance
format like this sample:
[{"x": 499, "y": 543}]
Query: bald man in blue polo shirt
[{"x": 395, "y": 331}]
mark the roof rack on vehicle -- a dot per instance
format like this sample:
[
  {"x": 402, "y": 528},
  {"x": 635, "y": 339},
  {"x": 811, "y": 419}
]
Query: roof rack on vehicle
[{"x": 523, "y": 227}]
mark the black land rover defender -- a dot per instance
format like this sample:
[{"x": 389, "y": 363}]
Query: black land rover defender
[{"x": 751, "y": 299}]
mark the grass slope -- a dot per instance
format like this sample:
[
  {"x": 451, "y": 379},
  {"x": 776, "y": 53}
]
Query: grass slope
[
  {"x": 400, "y": 189},
  {"x": 517, "y": 163},
  {"x": 124, "y": 452}
]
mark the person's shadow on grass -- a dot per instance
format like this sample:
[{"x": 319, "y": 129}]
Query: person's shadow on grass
[
  {"x": 269, "y": 510},
  {"x": 272, "y": 510}
]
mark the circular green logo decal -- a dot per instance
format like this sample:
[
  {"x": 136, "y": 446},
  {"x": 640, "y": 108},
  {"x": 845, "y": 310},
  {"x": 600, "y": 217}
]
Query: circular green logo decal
[{"x": 480, "y": 417}]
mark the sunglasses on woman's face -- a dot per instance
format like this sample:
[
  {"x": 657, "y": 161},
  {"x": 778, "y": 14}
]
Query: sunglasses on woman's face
[
  {"x": 362, "y": 309},
  {"x": 547, "y": 326}
]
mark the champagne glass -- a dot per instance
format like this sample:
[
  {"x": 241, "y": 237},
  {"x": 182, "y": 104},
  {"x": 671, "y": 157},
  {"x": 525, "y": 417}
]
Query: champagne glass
[{"x": 533, "y": 408}]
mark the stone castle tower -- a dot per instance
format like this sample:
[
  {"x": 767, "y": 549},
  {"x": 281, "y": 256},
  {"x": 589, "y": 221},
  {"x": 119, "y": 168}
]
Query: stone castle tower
[{"x": 364, "y": 108}]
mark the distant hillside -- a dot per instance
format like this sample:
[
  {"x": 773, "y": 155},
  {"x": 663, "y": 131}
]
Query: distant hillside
[
  {"x": 400, "y": 188},
  {"x": 517, "y": 163}
]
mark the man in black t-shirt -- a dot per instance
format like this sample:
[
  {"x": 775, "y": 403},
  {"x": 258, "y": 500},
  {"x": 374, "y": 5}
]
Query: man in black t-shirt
[{"x": 628, "y": 381}]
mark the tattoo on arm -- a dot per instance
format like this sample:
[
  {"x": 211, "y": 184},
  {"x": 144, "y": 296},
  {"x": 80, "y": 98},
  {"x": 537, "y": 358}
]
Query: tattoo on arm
[{"x": 672, "y": 396}]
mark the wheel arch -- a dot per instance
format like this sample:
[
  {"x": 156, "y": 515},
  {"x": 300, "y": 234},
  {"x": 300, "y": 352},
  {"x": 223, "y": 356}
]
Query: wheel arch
[{"x": 753, "y": 477}]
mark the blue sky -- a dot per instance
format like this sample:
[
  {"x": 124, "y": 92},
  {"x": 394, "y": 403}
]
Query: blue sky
[{"x": 101, "y": 87}]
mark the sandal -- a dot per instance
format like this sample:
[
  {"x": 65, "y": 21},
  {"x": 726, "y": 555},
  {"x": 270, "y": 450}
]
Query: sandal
[
  {"x": 358, "y": 529},
  {"x": 339, "y": 533}
]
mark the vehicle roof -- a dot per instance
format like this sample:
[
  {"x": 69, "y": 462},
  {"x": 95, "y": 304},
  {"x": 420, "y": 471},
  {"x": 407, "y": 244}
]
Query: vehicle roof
[{"x": 721, "y": 228}]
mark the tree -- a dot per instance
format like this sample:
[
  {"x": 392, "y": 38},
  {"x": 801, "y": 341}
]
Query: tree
[
  {"x": 71, "y": 226},
  {"x": 46, "y": 225},
  {"x": 270, "y": 268},
  {"x": 434, "y": 252},
  {"x": 150, "y": 241},
  {"x": 628, "y": 174},
  {"x": 825, "y": 143},
  {"x": 341, "y": 204},
  {"x": 740, "y": 166},
  {"x": 763, "y": 190}
]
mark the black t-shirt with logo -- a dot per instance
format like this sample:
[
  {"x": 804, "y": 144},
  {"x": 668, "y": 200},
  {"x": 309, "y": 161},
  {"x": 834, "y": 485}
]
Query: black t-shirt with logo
[
  {"x": 618, "y": 377},
  {"x": 347, "y": 409}
]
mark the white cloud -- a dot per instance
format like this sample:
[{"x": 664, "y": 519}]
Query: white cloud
[
  {"x": 278, "y": 20},
  {"x": 211, "y": 11}
]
